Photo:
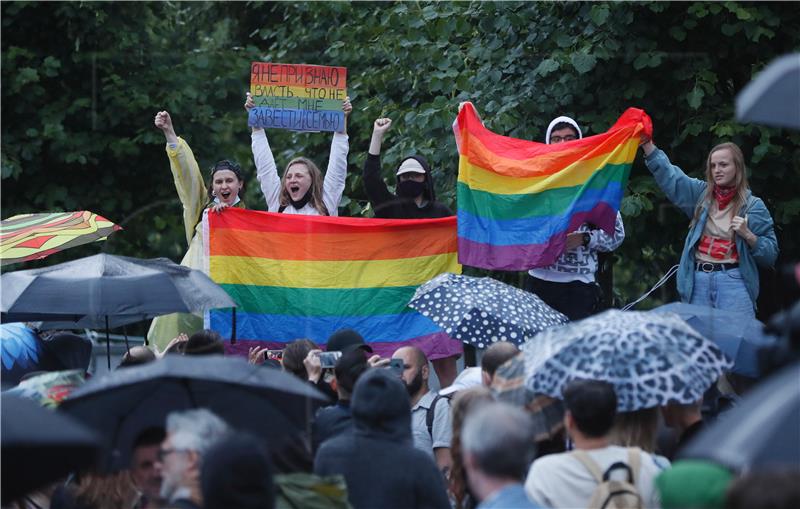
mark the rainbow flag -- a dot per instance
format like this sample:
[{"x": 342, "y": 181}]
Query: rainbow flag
[
  {"x": 298, "y": 276},
  {"x": 518, "y": 199}
]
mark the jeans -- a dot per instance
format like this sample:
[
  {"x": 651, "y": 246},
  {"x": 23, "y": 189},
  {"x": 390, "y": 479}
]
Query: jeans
[{"x": 722, "y": 289}]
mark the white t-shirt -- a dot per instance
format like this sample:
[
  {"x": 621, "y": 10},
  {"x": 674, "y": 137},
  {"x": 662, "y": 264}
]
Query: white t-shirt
[{"x": 561, "y": 481}]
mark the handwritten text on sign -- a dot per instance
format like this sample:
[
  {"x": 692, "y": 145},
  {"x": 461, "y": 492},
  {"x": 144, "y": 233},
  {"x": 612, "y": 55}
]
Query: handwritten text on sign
[{"x": 297, "y": 96}]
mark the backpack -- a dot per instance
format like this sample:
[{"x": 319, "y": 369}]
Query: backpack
[
  {"x": 610, "y": 493},
  {"x": 430, "y": 413}
]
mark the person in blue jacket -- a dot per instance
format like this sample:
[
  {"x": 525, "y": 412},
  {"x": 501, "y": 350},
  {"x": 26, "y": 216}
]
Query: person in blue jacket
[{"x": 731, "y": 232}]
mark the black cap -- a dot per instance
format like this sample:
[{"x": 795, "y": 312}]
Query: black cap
[{"x": 346, "y": 340}]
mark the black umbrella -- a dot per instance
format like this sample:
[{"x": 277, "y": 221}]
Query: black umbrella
[
  {"x": 107, "y": 291},
  {"x": 40, "y": 446},
  {"x": 762, "y": 431},
  {"x": 121, "y": 404},
  {"x": 482, "y": 311},
  {"x": 773, "y": 98}
]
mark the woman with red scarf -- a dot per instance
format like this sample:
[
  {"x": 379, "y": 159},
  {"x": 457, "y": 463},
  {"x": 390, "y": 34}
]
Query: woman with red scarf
[{"x": 730, "y": 234}]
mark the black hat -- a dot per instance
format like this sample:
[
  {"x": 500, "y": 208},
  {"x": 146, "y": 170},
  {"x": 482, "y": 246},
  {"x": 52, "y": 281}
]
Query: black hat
[{"x": 346, "y": 340}]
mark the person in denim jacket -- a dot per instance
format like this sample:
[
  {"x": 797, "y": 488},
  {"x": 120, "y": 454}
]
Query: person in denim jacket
[{"x": 731, "y": 232}]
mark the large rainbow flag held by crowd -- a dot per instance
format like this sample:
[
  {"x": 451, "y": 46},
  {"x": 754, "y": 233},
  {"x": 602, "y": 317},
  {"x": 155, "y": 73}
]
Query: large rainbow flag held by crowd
[
  {"x": 307, "y": 276},
  {"x": 518, "y": 199}
]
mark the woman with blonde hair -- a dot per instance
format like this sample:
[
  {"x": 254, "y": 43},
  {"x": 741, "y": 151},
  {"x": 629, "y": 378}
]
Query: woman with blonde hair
[
  {"x": 302, "y": 189},
  {"x": 731, "y": 232},
  {"x": 636, "y": 429}
]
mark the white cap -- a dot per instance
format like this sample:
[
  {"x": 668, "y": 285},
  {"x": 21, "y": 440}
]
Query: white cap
[
  {"x": 410, "y": 165},
  {"x": 470, "y": 377},
  {"x": 559, "y": 120}
]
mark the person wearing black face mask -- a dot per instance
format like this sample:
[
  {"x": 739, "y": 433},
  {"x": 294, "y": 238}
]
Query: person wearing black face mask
[{"x": 415, "y": 198}]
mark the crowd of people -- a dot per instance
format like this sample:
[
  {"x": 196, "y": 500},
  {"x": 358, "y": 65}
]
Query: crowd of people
[{"x": 386, "y": 439}]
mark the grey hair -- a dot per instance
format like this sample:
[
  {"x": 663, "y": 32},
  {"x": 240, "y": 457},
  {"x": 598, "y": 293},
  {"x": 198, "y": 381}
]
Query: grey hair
[
  {"x": 501, "y": 439},
  {"x": 195, "y": 430}
]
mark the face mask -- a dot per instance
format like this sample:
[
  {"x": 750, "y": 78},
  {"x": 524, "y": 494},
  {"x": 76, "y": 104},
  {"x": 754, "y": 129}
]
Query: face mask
[{"x": 410, "y": 189}]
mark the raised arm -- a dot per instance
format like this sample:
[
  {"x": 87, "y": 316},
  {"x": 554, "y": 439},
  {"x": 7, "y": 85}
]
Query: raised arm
[
  {"x": 377, "y": 192},
  {"x": 336, "y": 174},
  {"x": 266, "y": 170},
  {"x": 186, "y": 174},
  {"x": 683, "y": 191}
]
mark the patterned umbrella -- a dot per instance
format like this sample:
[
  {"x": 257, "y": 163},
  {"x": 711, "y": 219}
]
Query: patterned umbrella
[
  {"x": 482, "y": 311},
  {"x": 650, "y": 358},
  {"x": 49, "y": 389},
  {"x": 35, "y": 236}
]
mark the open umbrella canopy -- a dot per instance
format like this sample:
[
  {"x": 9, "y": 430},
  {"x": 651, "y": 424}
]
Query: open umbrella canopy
[
  {"x": 22, "y": 351},
  {"x": 483, "y": 311},
  {"x": 762, "y": 431},
  {"x": 773, "y": 98},
  {"x": 739, "y": 337},
  {"x": 104, "y": 289},
  {"x": 123, "y": 403},
  {"x": 34, "y": 236},
  {"x": 40, "y": 446},
  {"x": 650, "y": 358}
]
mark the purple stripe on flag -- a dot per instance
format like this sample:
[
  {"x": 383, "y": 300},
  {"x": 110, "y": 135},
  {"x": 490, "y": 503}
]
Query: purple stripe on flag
[{"x": 527, "y": 256}]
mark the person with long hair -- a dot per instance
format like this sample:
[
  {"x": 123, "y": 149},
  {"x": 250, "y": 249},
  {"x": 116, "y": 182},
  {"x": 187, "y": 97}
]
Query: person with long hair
[
  {"x": 463, "y": 403},
  {"x": 731, "y": 232},
  {"x": 302, "y": 189},
  {"x": 224, "y": 189},
  {"x": 638, "y": 428}
]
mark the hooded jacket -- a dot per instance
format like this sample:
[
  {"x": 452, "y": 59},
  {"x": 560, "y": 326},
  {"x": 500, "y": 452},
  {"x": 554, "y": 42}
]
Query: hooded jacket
[
  {"x": 390, "y": 206},
  {"x": 377, "y": 458}
]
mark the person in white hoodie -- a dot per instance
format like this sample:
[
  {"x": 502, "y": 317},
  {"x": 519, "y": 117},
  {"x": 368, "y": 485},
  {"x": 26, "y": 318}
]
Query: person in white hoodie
[
  {"x": 302, "y": 189},
  {"x": 569, "y": 285}
]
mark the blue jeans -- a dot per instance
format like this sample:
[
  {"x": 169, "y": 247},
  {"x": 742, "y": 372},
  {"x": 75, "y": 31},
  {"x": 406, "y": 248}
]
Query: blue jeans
[{"x": 722, "y": 289}]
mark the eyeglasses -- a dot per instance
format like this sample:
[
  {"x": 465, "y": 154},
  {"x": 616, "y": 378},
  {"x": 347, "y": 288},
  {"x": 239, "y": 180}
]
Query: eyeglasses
[
  {"x": 560, "y": 139},
  {"x": 163, "y": 453}
]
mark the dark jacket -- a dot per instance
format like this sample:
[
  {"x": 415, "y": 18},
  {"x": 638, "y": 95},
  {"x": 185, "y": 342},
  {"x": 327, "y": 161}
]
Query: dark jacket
[
  {"x": 389, "y": 206},
  {"x": 378, "y": 460},
  {"x": 329, "y": 422}
]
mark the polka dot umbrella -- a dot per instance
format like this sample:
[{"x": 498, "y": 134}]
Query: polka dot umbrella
[{"x": 483, "y": 311}]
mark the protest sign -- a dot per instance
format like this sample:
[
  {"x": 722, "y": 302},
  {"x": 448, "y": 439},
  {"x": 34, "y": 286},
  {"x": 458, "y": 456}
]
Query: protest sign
[{"x": 298, "y": 97}]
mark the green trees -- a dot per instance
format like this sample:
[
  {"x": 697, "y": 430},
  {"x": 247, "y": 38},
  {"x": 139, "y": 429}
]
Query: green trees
[{"x": 82, "y": 82}]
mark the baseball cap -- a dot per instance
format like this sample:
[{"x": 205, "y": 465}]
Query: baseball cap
[
  {"x": 410, "y": 165},
  {"x": 346, "y": 340}
]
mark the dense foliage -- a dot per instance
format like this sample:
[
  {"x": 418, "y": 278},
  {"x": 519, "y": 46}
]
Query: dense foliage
[{"x": 82, "y": 82}]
